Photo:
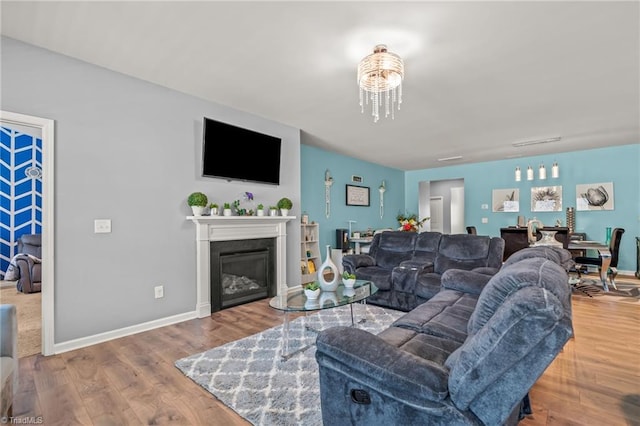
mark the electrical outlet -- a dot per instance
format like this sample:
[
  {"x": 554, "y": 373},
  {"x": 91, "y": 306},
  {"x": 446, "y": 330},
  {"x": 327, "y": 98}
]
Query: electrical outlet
[
  {"x": 485, "y": 207},
  {"x": 159, "y": 291},
  {"x": 102, "y": 226}
]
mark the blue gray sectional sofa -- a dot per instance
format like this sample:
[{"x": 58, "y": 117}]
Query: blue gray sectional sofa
[
  {"x": 407, "y": 267},
  {"x": 467, "y": 356}
]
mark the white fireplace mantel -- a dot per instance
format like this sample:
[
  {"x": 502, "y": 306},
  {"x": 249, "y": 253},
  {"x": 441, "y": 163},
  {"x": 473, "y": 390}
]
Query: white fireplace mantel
[{"x": 228, "y": 228}]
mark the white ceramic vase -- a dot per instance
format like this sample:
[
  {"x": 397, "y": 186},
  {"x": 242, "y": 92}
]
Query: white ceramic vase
[
  {"x": 273, "y": 212},
  {"x": 284, "y": 212},
  {"x": 349, "y": 283},
  {"x": 226, "y": 212},
  {"x": 260, "y": 212},
  {"x": 326, "y": 285},
  {"x": 197, "y": 210}
]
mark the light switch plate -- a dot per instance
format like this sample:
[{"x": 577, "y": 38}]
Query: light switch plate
[
  {"x": 485, "y": 220},
  {"x": 102, "y": 226}
]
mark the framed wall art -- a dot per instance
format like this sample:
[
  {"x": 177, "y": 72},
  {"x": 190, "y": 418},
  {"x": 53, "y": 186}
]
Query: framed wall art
[
  {"x": 594, "y": 196},
  {"x": 357, "y": 195},
  {"x": 546, "y": 199},
  {"x": 506, "y": 200}
]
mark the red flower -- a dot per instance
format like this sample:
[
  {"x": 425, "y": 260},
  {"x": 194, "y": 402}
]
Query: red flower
[{"x": 406, "y": 227}]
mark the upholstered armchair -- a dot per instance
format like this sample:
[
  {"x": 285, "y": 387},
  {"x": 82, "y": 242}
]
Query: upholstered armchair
[
  {"x": 8, "y": 358},
  {"x": 29, "y": 263}
]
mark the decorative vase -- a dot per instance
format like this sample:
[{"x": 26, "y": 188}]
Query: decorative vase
[
  {"x": 260, "y": 212},
  {"x": 226, "y": 212},
  {"x": 273, "y": 212},
  {"x": 197, "y": 210},
  {"x": 548, "y": 239},
  {"x": 328, "y": 299},
  {"x": 214, "y": 211},
  {"x": 284, "y": 212},
  {"x": 332, "y": 284}
]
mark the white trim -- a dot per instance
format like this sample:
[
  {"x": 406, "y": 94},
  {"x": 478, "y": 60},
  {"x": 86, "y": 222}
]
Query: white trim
[
  {"x": 122, "y": 332},
  {"x": 48, "y": 230}
]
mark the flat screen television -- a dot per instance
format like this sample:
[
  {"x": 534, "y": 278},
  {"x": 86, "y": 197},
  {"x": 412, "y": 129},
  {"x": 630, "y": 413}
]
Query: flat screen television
[{"x": 257, "y": 157}]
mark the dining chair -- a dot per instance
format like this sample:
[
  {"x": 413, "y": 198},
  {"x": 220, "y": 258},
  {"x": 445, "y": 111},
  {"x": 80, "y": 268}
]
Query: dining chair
[{"x": 614, "y": 248}]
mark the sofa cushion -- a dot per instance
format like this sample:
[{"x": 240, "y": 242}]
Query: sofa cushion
[
  {"x": 462, "y": 251},
  {"x": 537, "y": 272},
  {"x": 432, "y": 348},
  {"x": 426, "y": 246},
  {"x": 393, "y": 248}
]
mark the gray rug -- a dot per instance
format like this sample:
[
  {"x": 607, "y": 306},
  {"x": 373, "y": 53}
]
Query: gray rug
[
  {"x": 593, "y": 287},
  {"x": 249, "y": 377}
]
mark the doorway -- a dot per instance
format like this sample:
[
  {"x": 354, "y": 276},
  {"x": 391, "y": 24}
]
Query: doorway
[
  {"x": 45, "y": 128},
  {"x": 443, "y": 202}
]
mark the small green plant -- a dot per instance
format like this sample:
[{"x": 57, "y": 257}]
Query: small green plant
[
  {"x": 273, "y": 208},
  {"x": 197, "y": 199},
  {"x": 260, "y": 206},
  {"x": 227, "y": 206},
  {"x": 285, "y": 203},
  {"x": 311, "y": 286},
  {"x": 213, "y": 206},
  {"x": 347, "y": 276}
]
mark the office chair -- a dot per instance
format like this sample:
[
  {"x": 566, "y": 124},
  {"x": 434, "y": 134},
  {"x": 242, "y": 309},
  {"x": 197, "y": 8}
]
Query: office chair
[
  {"x": 471, "y": 230},
  {"x": 614, "y": 247}
]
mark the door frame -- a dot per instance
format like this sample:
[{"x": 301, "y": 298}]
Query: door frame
[{"x": 47, "y": 128}]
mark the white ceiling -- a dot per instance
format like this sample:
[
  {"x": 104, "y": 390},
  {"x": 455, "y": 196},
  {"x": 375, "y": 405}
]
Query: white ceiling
[{"x": 479, "y": 75}]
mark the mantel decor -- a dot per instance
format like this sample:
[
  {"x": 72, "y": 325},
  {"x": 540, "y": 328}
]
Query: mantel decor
[{"x": 357, "y": 195}]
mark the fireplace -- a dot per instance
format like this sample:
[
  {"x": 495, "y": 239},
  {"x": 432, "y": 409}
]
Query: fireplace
[
  {"x": 242, "y": 271},
  {"x": 236, "y": 228}
]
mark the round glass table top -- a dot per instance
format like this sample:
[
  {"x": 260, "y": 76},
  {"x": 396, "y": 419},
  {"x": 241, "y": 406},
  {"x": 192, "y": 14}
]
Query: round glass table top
[{"x": 297, "y": 301}]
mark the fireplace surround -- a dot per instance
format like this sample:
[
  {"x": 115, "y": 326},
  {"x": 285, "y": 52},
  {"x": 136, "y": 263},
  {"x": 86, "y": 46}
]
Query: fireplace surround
[{"x": 233, "y": 228}]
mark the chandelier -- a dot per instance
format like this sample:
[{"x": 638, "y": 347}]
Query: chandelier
[{"x": 380, "y": 80}]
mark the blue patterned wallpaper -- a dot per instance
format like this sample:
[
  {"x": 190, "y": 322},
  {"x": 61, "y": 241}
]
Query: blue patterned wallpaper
[{"x": 20, "y": 190}]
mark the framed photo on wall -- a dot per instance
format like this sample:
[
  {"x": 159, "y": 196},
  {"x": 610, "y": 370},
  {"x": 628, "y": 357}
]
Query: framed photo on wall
[
  {"x": 506, "y": 200},
  {"x": 357, "y": 195},
  {"x": 594, "y": 196},
  {"x": 546, "y": 199}
]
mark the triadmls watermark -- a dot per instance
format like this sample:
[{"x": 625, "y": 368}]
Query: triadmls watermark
[{"x": 24, "y": 420}]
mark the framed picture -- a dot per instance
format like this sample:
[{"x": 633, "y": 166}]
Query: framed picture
[
  {"x": 594, "y": 196},
  {"x": 546, "y": 199},
  {"x": 506, "y": 200},
  {"x": 357, "y": 195}
]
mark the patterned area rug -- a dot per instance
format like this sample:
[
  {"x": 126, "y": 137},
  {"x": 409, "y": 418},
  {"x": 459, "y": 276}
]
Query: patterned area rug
[
  {"x": 249, "y": 376},
  {"x": 28, "y": 307},
  {"x": 592, "y": 287}
]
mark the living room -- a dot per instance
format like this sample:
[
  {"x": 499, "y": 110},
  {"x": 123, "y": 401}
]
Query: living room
[{"x": 124, "y": 144}]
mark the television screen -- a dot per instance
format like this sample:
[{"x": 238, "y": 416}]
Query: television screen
[{"x": 257, "y": 158}]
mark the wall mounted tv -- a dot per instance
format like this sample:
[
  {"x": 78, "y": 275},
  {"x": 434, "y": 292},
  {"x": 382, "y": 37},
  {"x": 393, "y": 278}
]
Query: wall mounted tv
[{"x": 257, "y": 157}]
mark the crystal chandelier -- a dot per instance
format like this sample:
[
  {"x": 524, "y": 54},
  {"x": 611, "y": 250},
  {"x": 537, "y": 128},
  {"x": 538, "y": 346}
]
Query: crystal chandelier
[{"x": 380, "y": 80}]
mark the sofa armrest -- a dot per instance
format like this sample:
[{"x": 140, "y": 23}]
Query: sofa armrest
[
  {"x": 471, "y": 282},
  {"x": 363, "y": 357},
  {"x": 486, "y": 270},
  {"x": 351, "y": 262},
  {"x": 25, "y": 265}
]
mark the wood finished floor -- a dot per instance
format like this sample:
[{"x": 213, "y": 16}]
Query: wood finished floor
[{"x": 595, "y": 380}]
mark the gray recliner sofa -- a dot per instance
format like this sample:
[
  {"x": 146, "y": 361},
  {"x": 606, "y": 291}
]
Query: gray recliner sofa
[
  {"x": 467, "y": 356},
  {"x": 407, "y": 267},
  {"x": 29, "y": 263}
]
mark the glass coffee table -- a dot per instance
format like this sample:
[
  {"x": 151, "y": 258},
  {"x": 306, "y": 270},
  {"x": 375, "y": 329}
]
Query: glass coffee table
[{"x": 296, "y": 301}]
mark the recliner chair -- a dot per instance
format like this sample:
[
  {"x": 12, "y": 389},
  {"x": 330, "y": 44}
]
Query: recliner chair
[
  {"x": 29, "y": 263},
  {"x": 614, "y": 248}
]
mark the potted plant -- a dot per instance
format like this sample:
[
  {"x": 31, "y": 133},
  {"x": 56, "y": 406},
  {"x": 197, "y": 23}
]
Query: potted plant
[
  {"x": 197, "y": 201},
  {"x": 273, "y": 211},
  {"x": 312, "y": 290},
  {"x": 226, "y": 209},
  {"x": 260, "y": 210},
  {"x": 348, "y": 279},
  {"x": 284, "y": 204},
  {"x": 213, "y": 209}
]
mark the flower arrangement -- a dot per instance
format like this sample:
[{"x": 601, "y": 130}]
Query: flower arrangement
[{"x": 410, "y": 222}]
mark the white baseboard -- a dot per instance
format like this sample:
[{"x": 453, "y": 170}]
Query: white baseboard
[{"x": 115, "y": 334}]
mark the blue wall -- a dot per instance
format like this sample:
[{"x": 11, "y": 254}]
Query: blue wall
[
  {"x": 619, "y": 165},
  {"x": 313, "y": 164}
]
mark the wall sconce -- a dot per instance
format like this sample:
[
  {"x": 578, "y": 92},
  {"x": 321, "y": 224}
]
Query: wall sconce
[
  {"x": 328, "y": 181},
  {"x": 555, "y": 170},
  {"x": 542, "y": 172},
  {"x": 382, "y": 188},
  {"x": 518, "y": 174},
  {"x": 529, "y": 173}
]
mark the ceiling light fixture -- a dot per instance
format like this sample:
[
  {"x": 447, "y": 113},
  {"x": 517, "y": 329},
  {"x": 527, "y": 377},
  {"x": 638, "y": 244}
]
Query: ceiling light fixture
[
  {"x": 457, "y": 157},
  {"x": 380, "y": 78},
  {"x": 536, "y": 142}
]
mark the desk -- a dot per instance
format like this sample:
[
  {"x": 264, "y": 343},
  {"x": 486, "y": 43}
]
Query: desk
[
  {"x": 358, "y": 241},
  {"x": 603, "y": 252}
]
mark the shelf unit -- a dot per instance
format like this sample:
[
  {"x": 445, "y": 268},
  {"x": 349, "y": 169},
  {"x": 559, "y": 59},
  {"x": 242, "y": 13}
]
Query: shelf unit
[{"x": 310, "y": 259}]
